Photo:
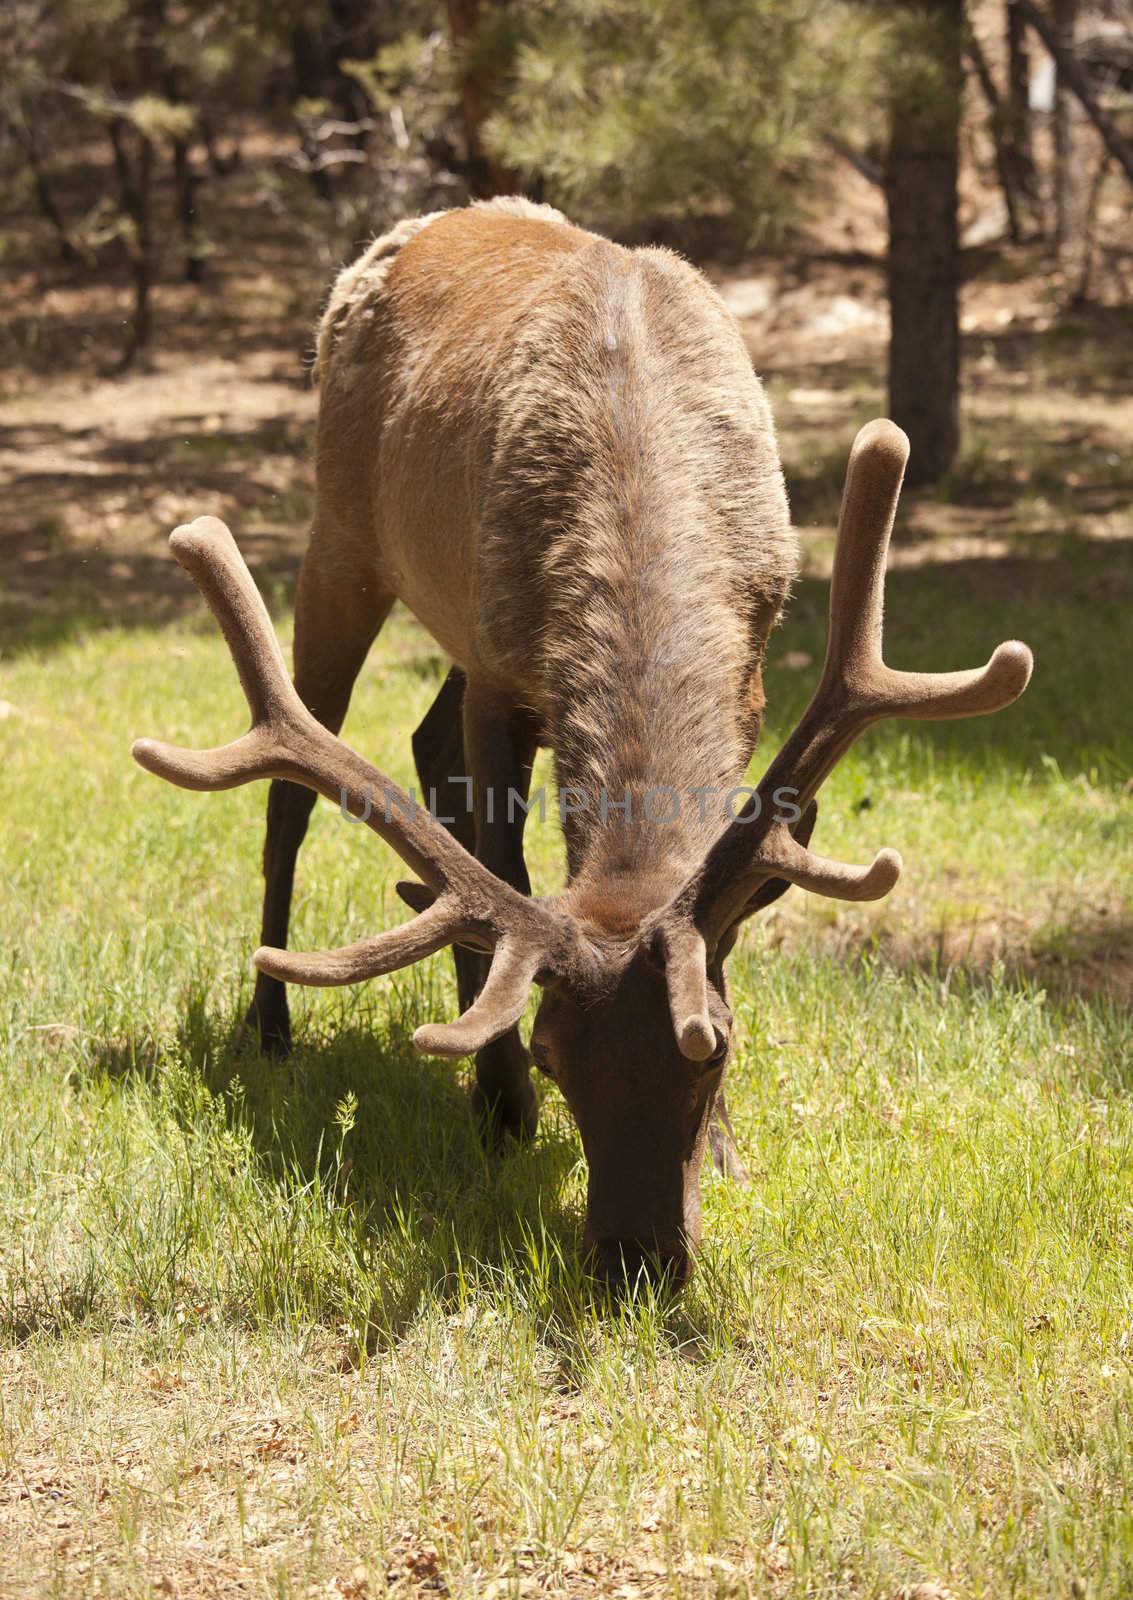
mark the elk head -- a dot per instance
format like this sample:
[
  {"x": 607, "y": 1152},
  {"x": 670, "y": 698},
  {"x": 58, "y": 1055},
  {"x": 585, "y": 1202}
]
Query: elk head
[{"x": 636, "y": 1029}]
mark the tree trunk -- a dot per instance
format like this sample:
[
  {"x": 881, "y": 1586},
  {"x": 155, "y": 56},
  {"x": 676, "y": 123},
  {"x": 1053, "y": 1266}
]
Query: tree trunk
[
  {"x": 356, "y": 39},
  {"x": 135, "y": 178},
  {"x": 220, "y": 165},
  {"x": 485, "y": 177},
  {"x": 1076, "y": 80},
  {"x": 346, "y": 31},
  {"x": 185, "y": 179},
  {"x": 1069, "y": 196},
  {"x": 1080, "y": 290},
  {"x": 924, "y": 257},
  {"x": 25, "y": 137},
  {"x": 1017, "y": 110},
  {"x": 996, "y": 124},
  {"x": 135, "y": 181},
  {"x": 143, "y": 262}
]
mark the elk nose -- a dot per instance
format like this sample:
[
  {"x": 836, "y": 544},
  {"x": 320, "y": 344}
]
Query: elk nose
[{"x": 622, "y": 1264}]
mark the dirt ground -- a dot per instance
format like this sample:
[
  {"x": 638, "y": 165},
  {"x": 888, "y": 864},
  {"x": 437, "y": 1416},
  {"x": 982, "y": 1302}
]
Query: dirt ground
[{"x": 96, "y": 467}]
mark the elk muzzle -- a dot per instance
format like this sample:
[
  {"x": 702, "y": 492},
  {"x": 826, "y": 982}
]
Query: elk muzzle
[
  {"x": 635, "y": 1233},
  {"x": 643, "y": 1110}
]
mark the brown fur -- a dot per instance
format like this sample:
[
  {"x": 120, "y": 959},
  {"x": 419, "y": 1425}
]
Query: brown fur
[{"x": 555, "y": 451}]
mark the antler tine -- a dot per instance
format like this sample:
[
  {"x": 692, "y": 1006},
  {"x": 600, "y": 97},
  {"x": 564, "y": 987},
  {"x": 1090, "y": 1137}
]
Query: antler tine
[
  {"x": 854, "y": 663},
  {"x": 427, "y": 933},
  {"x": 209, "y": 554},
  {"x": 855, "y": 690},
  {"x": 782, "y": 856},
  {"x": 207, "y": 551},
  {"x": 856, "y": 687},
  {"x": 686, "y": 978},
  {"x": 286, "y": 741},
  {"x": 869, "y": 505},
  {"x": 498, "y": 1006}
]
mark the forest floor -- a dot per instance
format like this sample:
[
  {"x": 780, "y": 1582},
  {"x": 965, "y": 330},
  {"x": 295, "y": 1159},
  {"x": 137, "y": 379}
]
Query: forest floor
[{"x": 283, "y": 1329}]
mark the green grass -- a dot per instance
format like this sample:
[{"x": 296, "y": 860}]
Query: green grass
[{"x": 267, "y": 1325}]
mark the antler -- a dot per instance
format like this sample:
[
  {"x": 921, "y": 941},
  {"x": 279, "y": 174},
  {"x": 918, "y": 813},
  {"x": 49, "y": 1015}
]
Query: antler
[
  {"x": 286, "y": 741},
  {"x": 855, "y": 690}
]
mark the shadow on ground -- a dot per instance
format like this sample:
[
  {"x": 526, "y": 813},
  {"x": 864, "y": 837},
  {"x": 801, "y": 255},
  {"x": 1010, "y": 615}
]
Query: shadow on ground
[
  {"x": 390, "y": 1137},
  {"x": 87, "y": 520}
]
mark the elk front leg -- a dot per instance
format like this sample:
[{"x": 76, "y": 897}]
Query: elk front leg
[
  {"x": 338, "y": 613},
  {"x": 463, "y": 739}
]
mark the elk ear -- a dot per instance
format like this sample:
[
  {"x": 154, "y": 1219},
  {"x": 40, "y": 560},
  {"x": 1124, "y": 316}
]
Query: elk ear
[{"x": 769, "y": 892}]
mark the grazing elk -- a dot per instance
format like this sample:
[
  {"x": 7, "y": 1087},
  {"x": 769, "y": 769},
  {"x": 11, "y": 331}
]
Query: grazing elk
[{"x": 555, "y": 452}]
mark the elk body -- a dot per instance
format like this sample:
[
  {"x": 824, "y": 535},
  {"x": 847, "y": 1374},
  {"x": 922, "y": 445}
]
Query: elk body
[{"x": 554, "y": 451}]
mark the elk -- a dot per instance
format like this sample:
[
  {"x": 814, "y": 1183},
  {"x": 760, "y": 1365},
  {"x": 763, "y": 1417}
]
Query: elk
[{"x": 555, "y": 452}]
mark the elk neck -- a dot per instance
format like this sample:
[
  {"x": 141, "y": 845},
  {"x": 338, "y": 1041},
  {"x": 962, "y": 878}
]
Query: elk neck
[
  {"x": 648, "y": 685},
  {"x": 632, "y": 440},
  {"x": 647, "y": 746}
]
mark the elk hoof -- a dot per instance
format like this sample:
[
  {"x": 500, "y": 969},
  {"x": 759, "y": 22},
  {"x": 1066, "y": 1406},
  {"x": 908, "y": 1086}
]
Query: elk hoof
[
  {"x": 506, "y": 1114},
  {"x": 267, "y": 1022}
]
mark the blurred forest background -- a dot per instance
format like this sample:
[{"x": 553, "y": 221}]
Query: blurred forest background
[{"x": 916, "y": 208}]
